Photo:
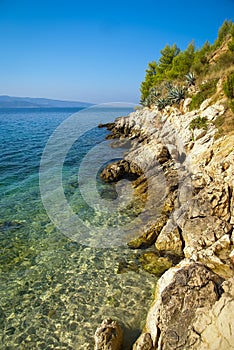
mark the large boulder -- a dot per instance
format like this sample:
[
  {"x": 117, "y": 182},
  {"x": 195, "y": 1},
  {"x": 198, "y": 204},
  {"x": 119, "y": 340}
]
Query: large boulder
[
  {"x": 118, "y": 170},
  {"x": 180, "y": 292}
]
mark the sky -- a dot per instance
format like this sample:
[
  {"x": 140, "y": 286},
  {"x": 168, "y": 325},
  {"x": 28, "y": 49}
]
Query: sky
[{"x": 96, "y": 51}]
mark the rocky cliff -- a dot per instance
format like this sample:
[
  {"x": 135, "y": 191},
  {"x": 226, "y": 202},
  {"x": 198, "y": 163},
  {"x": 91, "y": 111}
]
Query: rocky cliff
[{"x": 189, "y": 172}]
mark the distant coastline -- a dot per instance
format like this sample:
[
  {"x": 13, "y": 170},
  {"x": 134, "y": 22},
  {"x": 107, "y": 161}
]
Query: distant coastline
[{"x": 33, "y": 103}]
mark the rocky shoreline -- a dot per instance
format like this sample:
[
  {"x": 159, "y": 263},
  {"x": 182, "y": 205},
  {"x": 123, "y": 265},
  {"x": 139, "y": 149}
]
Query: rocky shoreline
[{"x": 189, "y": 173}]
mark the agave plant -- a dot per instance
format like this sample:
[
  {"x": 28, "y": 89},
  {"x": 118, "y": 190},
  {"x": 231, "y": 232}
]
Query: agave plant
[
  {"x": 154, "y": 91},
  {"x": 151, "y": 98},
  {"x": 176, "y": 95},
  {"x": 162, "y": 103},
  {"x": 153, "y": 95},
  {"x": 190, "y": 78},
  {"x": 168, "y": 85},
  {"x": 146, "y": 102}
]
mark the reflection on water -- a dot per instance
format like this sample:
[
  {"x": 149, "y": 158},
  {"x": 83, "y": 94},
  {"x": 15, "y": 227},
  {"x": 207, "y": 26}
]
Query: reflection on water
[{"x": 53, "y": 291}]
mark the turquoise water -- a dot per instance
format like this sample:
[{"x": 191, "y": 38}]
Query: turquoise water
[{"x": 55, "y": 290}]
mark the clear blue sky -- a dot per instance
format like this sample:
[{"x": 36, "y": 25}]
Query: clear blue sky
[{"x": 96, "y": 51}]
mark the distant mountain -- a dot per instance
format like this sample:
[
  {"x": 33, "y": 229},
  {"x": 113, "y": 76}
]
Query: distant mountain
[{"x": 29, "y": 102}]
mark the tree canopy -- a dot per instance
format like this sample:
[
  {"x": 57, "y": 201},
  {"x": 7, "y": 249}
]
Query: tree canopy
[{"x": 174, "y": 64}]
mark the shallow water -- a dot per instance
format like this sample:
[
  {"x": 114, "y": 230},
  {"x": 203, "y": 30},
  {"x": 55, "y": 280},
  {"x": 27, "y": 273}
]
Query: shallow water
[{"x": 55, "y": 289}]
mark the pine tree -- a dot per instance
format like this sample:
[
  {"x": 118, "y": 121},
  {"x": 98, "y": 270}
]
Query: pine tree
[
  {"x": 149, "y": 81},
  {"x": 165, "y": 61},
  {"x": 182, "y": 63}
]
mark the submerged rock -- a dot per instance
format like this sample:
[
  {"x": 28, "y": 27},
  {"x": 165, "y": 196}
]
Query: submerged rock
[
  {"x": 12, "y": 224},
  {"x": 155, "y": 264},
  {"x": 126, "y": 266},
  {"x": 2, "y": 317}
]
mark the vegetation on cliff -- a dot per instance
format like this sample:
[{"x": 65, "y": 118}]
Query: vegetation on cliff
[
  {"x": 187, "y": 237},
  {"x": 229, "y": 89},
  {"x": 193, "y": 72}
]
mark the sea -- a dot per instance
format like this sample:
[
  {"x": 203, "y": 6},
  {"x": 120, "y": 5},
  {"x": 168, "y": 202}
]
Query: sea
[{"x": 64, "y": 261}]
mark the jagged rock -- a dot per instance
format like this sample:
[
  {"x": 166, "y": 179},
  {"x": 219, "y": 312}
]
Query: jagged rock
[
  {"x": 218, "y": 195},
  {"x": 172, "y": 178},
  {"x": 201, "y": 232},
  {"x": 151, "y": 154},
  {"x": 215, "y": 197},
  {"x": 135, "y": 125},
  {"x": 186, "y": 104},
  {"x": 109, "y": 336},
  {"x": 202, "y": 213},
  {"x": 169, "y": 239},
  {"x": 108, "y": 126},
  {"x": 199, "y": 133},
  {"x": 205, "y": 104},
  {"x": 149, "y": 237},
  {"x": 231, "y": 255},
  {"x": 219, "y": 51},
  {"x": 144, "y": 342},
  {"x": 218, "y": 257},
  {"x": 180, "y": 292},
  {"x": 169, "y": 203},
  {"x": 213, "y": 328},
  {"x": 140, "y": 186},
  {"x": 117, "y": 170},
  {"x": 163, "y": 155},
  {"x": 199, "y": 181},
  {"x": 206, "y": 229},
  {"x": 212, "y": 112}
]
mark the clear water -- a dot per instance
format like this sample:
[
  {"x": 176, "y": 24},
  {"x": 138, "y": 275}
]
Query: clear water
[{"x": 54, "y": 290}]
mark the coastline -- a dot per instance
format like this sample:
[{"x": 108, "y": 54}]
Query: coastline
[{"x": 192, "y": 235}]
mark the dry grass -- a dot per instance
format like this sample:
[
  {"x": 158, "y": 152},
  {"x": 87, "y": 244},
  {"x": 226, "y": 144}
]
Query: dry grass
[{"x": 225, "y": 124}]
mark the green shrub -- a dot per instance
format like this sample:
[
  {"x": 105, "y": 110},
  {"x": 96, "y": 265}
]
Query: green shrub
[
  {"x": 231, "y": 105},
  {"x": 228, "y": 86},
  {"x": 206, "y": 91},
  {"x": 200, "y": 68},
  {"x": 231, "y": 45},
  {"x": 198, "y": 123},
  {"x": 225, "y": 61},
  {"x": 225, "y": 30}
]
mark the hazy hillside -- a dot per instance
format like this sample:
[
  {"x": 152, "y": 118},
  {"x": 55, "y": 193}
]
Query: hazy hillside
[{"x": 28, "y": 102}]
